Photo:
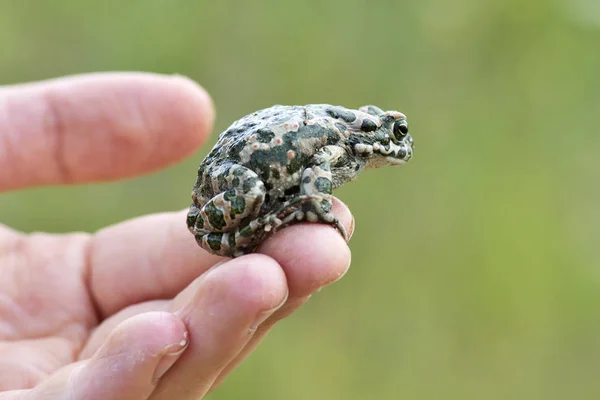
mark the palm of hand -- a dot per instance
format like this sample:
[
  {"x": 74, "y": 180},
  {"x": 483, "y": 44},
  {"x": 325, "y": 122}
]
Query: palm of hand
[
  {"x": 47, "y": 311},
  {"x": 137, "y": 310}
]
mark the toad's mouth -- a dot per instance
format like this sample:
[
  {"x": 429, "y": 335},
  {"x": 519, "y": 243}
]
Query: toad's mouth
[
  {"x": 395, "y": 161},
  {"x": 396, "y": 154}
]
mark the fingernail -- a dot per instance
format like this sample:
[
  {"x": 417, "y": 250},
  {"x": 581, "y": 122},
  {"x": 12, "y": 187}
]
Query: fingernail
[
  {"x": 262, "y": 316},
  {"x": 351, "y": 230},
  {"x": 170, "y": 354}
]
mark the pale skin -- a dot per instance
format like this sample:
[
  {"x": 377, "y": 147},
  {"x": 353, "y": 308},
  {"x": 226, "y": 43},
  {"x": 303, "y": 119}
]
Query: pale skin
[{"x": 136, "y": 310}]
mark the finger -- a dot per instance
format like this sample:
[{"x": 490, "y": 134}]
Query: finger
[
  {"x": 14, "y": 395},
  {"x": 146, "y": 258},
  {"x": 98, "y": 127},
  {"x": 129, "y": 365},
  {"x": 222, "y": 310},
  {"x": 311, "y": 255},
  {"x": 155, "y": 257},
  {"x": 325, "y": 260},
  {"x": 291, "y": 305},
  {"x": 25, "y": 363},
  {"x": 328, "y": 259},
  {"x": 98, "y": 336}
]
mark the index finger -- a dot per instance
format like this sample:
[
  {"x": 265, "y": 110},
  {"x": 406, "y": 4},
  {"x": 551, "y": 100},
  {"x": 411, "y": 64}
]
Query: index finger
[
  {"x": 155, "y": 257},
  {"x": 98, "y": 127}
]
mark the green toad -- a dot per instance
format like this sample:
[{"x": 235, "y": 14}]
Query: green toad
[{"x": 279, "y": 166}]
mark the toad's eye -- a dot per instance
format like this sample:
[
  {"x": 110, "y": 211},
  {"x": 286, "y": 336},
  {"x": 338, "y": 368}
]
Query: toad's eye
[{"x": 400, "y": 128}]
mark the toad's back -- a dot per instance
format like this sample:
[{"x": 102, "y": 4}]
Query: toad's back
[{"x": 278, "y": 138}]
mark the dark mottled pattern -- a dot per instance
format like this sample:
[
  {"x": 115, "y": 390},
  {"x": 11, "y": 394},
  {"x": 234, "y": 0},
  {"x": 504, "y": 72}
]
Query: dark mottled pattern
[
  {"x": 324, "y": 185},
  {"x": 231, "y": 241},
  {"x": 246, "y": 231},
  {"x": 238, "y": 203},
  {"x": 368, "y": 126},
  {"x": 338, "y": 112},
  {"x": 215, "y": 216},
  {"x": 263, "y": 161},
  {"x": 249, "y": 184},
  {"x": 264, "y": 135},
  {"x": 326, "y": 205},
  {"x": 233, "y": 154},
  {"x": 214, "y": 241},
  {"x": 297, "y": 163},
  {"x": 199, "y": 222},
  {"x": 192, "y": 216}
]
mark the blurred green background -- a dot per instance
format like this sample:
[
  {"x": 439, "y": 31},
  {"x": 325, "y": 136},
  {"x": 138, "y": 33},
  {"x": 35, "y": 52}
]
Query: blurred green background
[{"x": 476, "y": 267}]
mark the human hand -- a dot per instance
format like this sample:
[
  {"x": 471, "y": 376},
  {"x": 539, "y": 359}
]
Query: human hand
[{"x": 137, "y": 310}]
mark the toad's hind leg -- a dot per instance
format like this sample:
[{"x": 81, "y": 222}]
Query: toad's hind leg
[{"x": 215, "y": 223}]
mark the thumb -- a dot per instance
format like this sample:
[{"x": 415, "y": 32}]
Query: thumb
[{"x": 136, "y": 354}]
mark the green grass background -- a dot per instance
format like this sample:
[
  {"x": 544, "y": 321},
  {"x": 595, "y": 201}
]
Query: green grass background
[{"x": 476, "y": 267}]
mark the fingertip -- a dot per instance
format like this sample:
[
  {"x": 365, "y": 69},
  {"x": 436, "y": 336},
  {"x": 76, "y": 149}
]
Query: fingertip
[
  {"x": 170, "y": 116},
  {"x": 152, "y": 332},
  {"x": 255, "y": 282},
  {"x": 195, "y": 108},
  {"x": 342, "y": 211},
  {"x": 98, "y": 127},
  {"x": 312, "y": 255},
  {"x": 128, "y": 365},
  {"x": 136, "y": 354},
  {"x": 222, "y": 309}
]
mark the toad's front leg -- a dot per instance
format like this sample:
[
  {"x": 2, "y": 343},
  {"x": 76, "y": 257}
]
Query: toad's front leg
[{"x": 315, "y": 200}]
